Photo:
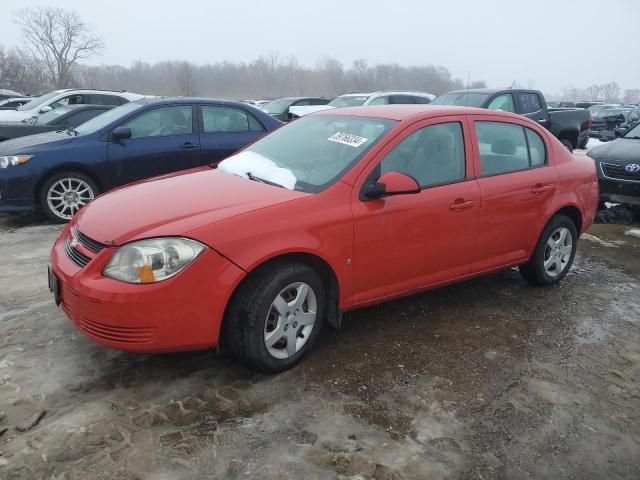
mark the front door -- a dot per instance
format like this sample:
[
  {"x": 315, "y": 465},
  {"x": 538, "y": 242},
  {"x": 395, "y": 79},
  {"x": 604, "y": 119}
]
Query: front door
[
  {"x": 163, "y": 140},
  {"x": 517, "y": 183},
  {"x": 407, "y": 242}
]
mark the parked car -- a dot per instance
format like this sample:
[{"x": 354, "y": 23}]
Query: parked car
[
  {"x": 61, "y": 98},
  {"x": 280, "y": 108},
  {"x": 618, "y": 166},
  {"x": 335, "y": 211},
  {"x": 360, "y": 99},
  {"x": 61, "y": 118},
  {"x": 571, "y": 127},
  {"x": 4, "y": 94},
  {"x": 13, "y": 103},
  {"x": 61, "y": 171},
  {"x": 605, "y": 122}
]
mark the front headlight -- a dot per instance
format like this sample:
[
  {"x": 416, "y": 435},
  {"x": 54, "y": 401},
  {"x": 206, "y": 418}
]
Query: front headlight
[
  {"x": 152, "y": 260},
  {"x": 13, "y": 160}
]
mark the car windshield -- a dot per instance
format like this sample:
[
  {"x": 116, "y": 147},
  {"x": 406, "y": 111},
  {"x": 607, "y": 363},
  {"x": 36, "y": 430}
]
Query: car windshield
[
  {"x": 277, "y": 106},
  {"x": 312, "y": 152},
  {"x": 463, "y": 99},
  {"x": 38, "y": 101},
  {"x": 633, "y": 133},
  {"x": 51, "y": 116},
  {"x": 349, "y": 101},
  {"x": 98, "y": 123}
]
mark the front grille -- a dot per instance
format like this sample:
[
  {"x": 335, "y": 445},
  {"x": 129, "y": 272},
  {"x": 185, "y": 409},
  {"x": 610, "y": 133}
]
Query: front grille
[
  {"x": 116, "y": 334},
  {"x": 619, "y": 172},
  {"x": 77, "y": 257},
  {"x": 90, "y": 243}
]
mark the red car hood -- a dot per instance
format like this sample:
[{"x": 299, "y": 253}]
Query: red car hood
[{"x": 174, "y": 205}]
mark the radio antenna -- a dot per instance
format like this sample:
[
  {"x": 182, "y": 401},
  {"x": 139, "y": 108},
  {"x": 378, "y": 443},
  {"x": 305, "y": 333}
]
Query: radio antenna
[{"x": 466, "y": 101}]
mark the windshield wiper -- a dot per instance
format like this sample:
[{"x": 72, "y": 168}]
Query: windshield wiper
[
  {"x": 262, "y": 180},
  {"x": 632, "y": 138},
  {"x": 72, "y": 131}
]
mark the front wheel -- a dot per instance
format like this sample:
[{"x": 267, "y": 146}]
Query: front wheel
[
  {"x": 275, "y": 317},
  {"x": 554, "y": 253},
  {"x": 62, "y": 195}
]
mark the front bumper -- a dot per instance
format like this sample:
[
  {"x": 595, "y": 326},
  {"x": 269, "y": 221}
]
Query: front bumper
[
  {"x": 182, "y": 313},
  {"x": 617, "y": 190},
  {"x": 16, "y": 191}
]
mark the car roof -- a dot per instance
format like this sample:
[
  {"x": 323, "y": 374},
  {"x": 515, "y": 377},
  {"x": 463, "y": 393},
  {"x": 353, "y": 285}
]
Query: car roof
[
  {"x": 189, "y": 100},
  {"x": 402, "y": 112}
]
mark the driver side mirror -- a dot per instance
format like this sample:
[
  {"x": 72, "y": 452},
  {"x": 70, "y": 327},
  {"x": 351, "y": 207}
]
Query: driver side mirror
[
  {"x": 619, "y": 131},
  {"x": 121, "y": 133},
  {"x": 45, "y": 109},
  {"x": 391, "y": 183}
]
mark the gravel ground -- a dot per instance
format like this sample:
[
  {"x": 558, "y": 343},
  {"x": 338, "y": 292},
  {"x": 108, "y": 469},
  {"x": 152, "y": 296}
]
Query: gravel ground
[{"x": 488, "y": 379}]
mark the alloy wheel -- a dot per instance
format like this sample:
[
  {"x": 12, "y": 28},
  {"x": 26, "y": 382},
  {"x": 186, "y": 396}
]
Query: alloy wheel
[
  {"x": 557, "y": 254},
  {"x": 66, "y": 196},
  {"x": 290, "y": 320}
]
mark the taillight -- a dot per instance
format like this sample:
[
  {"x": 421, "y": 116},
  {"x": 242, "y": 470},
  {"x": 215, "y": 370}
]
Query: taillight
[{"x": 590, "y": 122}]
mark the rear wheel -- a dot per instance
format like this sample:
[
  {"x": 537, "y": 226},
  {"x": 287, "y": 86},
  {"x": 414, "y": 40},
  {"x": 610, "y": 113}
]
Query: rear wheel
[
  {"x": 62, "y": 195},
  {"x": 554, "y": 253},
  {"x": 568, "y": 145},
  {"x": 275, "y": 317}
]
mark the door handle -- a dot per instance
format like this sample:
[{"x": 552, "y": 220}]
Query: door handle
[
  {"x": 189, "y": 146},
  {"x": 460, "y": 204},
  {"x": 542, "y": 120},
  {"x": 540, "y": 189}
]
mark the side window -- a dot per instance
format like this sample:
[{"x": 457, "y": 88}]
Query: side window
[
  {"x": 399, "y": 99},
  {"x": 81, "y": 117},
  {"x": 502, "y": 102},
  {"x": 70, "y": 100},
  {"x": 162, "y": 122},
  {"x": 379, "y": 101},
  {"x": 302, "y": 103},
  {"x": 537, "y": 152},
  {"x": 503, "y": 147},
  {"x": 433, "y": 155},
  {"x": 228, "y": 120},
  {"x": 530, "y": 102},
  {"x": 98, "y": 99},
  {"x": 422, "y": 100},
  {"x": 319, "y": 101}
]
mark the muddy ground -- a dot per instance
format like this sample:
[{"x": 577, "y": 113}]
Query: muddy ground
[{"x": 489, "y": 379}]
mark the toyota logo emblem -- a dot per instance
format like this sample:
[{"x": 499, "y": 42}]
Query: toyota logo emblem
[{"x": 632, "y": 168}]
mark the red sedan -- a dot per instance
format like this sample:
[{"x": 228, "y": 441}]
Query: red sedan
[{"x": 335, "y": 211}]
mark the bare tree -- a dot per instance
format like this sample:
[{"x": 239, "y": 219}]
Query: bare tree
[
  {"x": 185, "y": 78},
  {"x": 611, "y": 91},
  {"x": 59, "y": 38},
  {"x": 631, "y": 95}
]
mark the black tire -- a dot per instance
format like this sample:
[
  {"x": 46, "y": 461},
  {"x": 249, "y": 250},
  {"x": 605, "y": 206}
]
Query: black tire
[
  {"x": 244, "y": 324},
  {"x": 533, "y": 271},
  {"x": 46, "y": 186},
  {"x": 567, "y": 144}
]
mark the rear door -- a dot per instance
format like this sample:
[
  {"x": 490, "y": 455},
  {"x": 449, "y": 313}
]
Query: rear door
[
  {"x": 164, "y": 140},
  {"x": 407, "y": 242},
  {"x": 224, "y": 130},
  {"x": 517, "y": 182}
]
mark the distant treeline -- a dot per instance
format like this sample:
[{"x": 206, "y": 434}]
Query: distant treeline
[{"x": 266, "y": 77}]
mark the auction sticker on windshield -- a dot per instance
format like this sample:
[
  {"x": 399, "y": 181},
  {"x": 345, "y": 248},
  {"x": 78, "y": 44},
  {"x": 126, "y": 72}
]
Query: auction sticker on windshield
[{"x": 347, "y": 139}]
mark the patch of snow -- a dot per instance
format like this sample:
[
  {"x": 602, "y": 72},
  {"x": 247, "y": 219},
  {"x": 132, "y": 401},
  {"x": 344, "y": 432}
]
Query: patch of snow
[
  {"x": 599, "y": 241},
  {"x": 634, "y": 232},
  {"x": 249, "y": 163},
  {"x": 594, "y": 142}
]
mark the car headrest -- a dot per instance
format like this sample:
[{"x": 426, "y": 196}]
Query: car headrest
[{"x": 503, "y": 146}]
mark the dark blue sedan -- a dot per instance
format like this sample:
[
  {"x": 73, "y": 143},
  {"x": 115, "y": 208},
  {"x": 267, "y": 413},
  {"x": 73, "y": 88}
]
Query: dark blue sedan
[{"x": 61, "y": 171}]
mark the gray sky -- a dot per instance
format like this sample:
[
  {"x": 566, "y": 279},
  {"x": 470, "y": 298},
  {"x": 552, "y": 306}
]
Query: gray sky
[{"x": 545, "y": 44}]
